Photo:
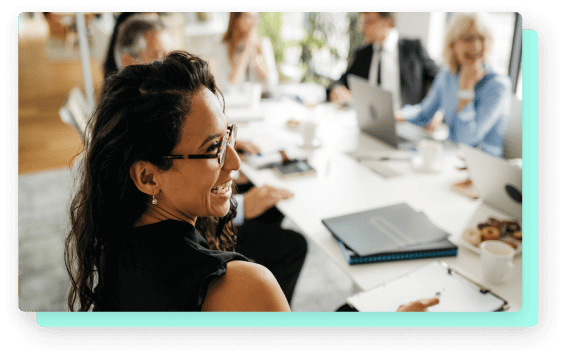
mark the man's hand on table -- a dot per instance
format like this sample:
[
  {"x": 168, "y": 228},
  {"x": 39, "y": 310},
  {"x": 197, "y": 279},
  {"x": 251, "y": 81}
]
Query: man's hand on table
[{"x": 258, "y": 200}]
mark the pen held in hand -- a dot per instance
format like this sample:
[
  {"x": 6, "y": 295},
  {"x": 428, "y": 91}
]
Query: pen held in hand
[{"x": 382, "y": 159}]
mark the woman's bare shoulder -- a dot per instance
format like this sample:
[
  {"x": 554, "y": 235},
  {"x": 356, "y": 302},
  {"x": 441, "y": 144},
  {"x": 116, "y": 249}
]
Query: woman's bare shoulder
[{"x": 246, "y": 286}]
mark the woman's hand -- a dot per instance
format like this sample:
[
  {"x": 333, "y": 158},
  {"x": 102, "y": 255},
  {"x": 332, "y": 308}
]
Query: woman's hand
[
  {"x": 471, "y": 72},
  {"x": 252, "y": 43},
  {"x": 419, "y": 306},
  {"x": 258, "y": 200},
  {"x": 435, "y": 122},
  {"x": 252, "y": 54},
  {"x": 340, "y": 94}
]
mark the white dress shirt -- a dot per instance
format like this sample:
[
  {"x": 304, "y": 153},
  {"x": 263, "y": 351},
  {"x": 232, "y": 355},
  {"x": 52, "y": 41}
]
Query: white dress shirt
[{"x": 390, "y": 77}]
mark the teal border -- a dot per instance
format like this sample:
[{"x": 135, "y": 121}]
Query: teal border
[{"x": 526, "y": 317}]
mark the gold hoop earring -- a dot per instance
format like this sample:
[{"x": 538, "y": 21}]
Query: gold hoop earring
[{"x": 154, "y": 201}]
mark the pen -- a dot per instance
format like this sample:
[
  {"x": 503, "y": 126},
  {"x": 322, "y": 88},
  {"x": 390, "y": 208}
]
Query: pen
[{"x": 383, "y": 158}]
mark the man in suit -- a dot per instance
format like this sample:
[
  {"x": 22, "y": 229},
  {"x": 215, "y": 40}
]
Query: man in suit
[{"x": 400, "y": 66}]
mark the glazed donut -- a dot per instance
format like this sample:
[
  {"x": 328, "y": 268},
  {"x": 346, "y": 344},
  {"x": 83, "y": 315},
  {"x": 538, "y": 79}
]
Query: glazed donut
[
  {"x": 518, "y": 235},
  {"x": 494, "y": 222},
  {"x": 473, "y": 236},
  {"x": 490, "y": 233},
  {"x": 482, "y": 225},
  {"x": 513, "y": 226}
]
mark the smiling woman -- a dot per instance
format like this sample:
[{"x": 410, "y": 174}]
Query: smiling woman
[
  {"x": 203, "y": 132},
  {"x": 473, "y": 97},
  {"x": 151, "y": 222}
]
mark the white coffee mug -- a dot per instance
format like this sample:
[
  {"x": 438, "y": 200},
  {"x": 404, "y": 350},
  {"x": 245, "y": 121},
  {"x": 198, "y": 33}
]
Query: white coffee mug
[
  {"x": 309, "y": 133},
  {"x": 254, "y": 91},
  {"x": 496, "y": 258},
  {"x": 430, "y": 152}
]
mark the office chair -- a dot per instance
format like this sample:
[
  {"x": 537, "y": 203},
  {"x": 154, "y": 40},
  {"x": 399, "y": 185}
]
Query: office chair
[
  {"x": 74, "y": 111},
  {"x": 512, "y": 142}
]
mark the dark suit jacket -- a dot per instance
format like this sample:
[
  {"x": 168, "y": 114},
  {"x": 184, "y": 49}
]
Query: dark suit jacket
[{"x": 416, "y": 69}]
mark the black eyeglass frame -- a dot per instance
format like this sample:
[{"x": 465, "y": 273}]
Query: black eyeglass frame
[{"x": 230, "y": 138}]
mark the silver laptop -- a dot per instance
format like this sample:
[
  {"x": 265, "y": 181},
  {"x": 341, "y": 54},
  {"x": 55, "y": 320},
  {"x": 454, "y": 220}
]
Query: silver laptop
[
  {"x": 497, "y": 182},
  {"x": 374, "y": 110}
]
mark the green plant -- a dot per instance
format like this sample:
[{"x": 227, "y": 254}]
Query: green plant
[
  {"x": 270, "y": 25},
  {"x": 320, "y": 37},
  {"x": 356, "y": 38},
  {"x": 316, "y": 38}
]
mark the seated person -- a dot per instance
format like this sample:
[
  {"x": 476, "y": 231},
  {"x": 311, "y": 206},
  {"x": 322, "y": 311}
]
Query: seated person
[
  {"x": 400, "y": 66},
  {"x": 245, "y": 57},
  {"x": 110, "y": 65},
  {"x": 151, "y": 223},
  {"x": 474, "y": 98},
  {"x": 261, "y": 238}
]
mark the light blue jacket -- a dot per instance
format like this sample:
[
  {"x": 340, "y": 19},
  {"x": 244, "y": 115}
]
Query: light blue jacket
[{"x": 481, "y": 123}]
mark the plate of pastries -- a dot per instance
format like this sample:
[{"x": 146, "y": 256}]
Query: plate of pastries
[{"x": 506, "y": 230}]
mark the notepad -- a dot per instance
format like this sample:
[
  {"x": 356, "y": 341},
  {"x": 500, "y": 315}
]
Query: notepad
[{"x": 456, "y": 292}]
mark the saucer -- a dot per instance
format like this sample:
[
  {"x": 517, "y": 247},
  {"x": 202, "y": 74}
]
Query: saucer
[{"x": 417, "y": 165}]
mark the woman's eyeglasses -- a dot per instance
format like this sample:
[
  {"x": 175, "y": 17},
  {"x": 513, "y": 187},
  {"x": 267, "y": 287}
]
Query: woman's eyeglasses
[
  {"x": 471, "y": 38},
  {"x": 228, "y": 139}
]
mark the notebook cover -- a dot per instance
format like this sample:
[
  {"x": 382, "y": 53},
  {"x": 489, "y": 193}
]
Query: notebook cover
[{"x": 387, "y": 229}]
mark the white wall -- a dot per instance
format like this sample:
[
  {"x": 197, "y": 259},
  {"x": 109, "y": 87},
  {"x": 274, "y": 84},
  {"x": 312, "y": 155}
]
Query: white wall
[{"x": 429, "y": 27}]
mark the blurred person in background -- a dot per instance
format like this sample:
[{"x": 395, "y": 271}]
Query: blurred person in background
[
  {"x": 243, "y": 56},
  {"x": 400, "y": 66},
  {"x": 474, "y": 98}
]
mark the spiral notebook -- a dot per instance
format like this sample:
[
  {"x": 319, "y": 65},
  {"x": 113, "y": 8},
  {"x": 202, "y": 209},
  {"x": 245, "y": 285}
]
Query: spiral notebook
[
  {"x": 396, "y": 232},
  {"x": 456, "y": 292}
]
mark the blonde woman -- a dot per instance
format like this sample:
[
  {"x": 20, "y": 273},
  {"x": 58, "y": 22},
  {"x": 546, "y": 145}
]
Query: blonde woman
[
  {"x": 474, "y": 98},
  {"x": 245, "y": 57}
]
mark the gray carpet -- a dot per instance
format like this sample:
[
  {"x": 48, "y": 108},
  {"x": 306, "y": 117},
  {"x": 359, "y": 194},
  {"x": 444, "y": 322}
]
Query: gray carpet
[{"x": 43, "y": 222}]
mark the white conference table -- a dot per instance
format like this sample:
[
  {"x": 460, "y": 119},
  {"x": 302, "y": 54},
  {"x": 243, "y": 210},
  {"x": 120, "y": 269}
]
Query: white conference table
[{"x": 342, "y": 186}]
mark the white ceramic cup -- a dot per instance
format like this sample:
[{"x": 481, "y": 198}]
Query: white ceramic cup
[
  {"x": 496, "y": 258},
  {"x": 254, "y": 91},
  {"x": 430, "y": 152},
  {"x": 309, "y": 133}
]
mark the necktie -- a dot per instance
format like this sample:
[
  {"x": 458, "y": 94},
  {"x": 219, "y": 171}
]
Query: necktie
[
  {"x": 379, "y": 66},
  {"x": 375, "y": 69}
]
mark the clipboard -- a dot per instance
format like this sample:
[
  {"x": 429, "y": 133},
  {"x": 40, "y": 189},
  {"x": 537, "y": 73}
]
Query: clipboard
[{"x": 456, "y": 292}]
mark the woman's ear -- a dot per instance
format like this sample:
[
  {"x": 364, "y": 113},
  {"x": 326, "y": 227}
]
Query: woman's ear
[
  {"x": 128, "y": 60},
  {"x": 143, "y": 175}
]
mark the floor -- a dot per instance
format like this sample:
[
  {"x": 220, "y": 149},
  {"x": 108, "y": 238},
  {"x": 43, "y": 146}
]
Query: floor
[{"x": 47, "y": 148}]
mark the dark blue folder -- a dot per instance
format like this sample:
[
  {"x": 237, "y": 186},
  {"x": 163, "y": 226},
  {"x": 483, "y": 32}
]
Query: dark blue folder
[{"x": 441, "y": 248}]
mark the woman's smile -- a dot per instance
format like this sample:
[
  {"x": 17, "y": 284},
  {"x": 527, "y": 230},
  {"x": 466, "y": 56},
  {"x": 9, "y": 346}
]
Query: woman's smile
[{"x": 224, "y": 189}]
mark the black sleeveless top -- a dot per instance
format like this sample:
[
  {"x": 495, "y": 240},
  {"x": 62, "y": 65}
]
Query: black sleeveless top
[{"x": 165, "y": 266}]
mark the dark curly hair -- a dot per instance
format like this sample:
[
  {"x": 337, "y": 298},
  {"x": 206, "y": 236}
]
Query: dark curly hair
[{"x": 140, "y": 116}]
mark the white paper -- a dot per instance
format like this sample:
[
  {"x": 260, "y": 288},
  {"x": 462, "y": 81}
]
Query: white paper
[{"x": 456, "y": 293}]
